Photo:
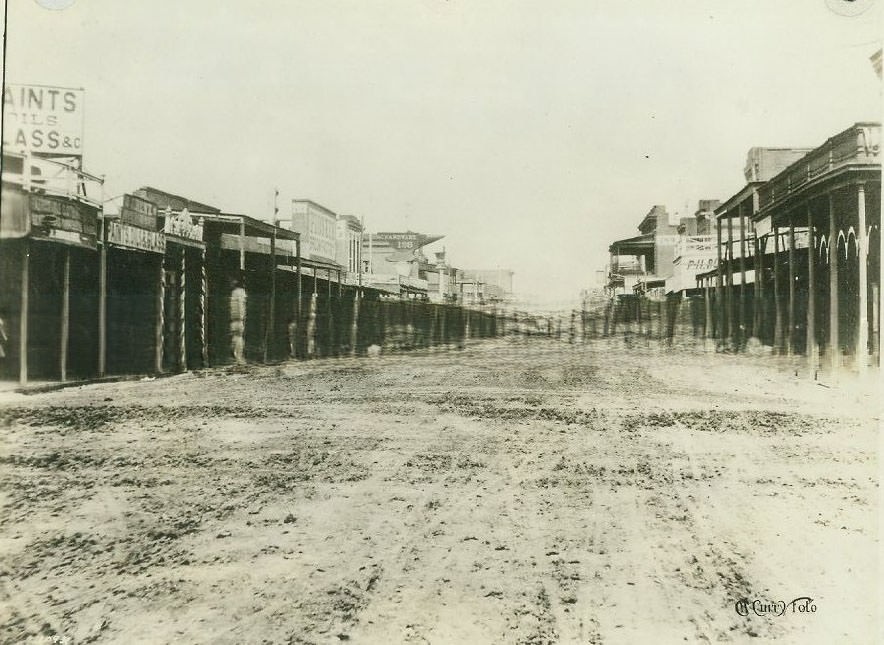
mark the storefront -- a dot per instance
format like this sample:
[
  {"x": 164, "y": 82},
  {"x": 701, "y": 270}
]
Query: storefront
[
  {"x": 134, "y": 274},
  {"x": 49, "y": 300}
]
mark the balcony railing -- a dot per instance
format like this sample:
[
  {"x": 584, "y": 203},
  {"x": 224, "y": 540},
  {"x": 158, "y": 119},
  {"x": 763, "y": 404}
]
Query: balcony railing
[
  {"x": 859, "y": 144},
  {"x": 49, "y": 177}
]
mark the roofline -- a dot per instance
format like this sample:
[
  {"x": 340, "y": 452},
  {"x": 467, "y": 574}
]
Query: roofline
[
  {"x": 265, "y": 227},
  {"x": 737, "y": 197},
  {"x": 794, "y": 164},
  {"x": 300, "y": 200}
]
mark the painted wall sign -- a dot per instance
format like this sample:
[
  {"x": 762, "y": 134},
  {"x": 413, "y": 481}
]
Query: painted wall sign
[
  {"x": 181, "y": 225},
  {"x": 43, "y": 120},
  {"x": 135, "y": 238},
  {"x": 63, "y": 220},
  {"x": 139, "y": 212}
]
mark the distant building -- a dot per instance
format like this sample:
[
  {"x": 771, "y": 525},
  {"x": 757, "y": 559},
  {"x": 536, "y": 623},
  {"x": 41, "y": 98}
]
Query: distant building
[
  {"x": 494, "y": 285},
  {"x": 643, "y": 262},
  {"x": 396, "y": 258},
  {"x": 764, "y": 163},
  {"x": 695, "y": 248},
  {"x": 348, "y": 244},
  {"x": 441, "y": 279},
  {"x": 318, "y": 227}
]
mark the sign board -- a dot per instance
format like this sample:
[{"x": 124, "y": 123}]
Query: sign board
[
  {"x": 139, "y": 212},
  {"x": 404, "y": 245},
  {"x": 181, "y": 225},
  {"x": 63, "y": 220},
  {"x": 43, "y": 120},
  {"x": 135, "y": 238},
  {"x": 406, "y": 241}
]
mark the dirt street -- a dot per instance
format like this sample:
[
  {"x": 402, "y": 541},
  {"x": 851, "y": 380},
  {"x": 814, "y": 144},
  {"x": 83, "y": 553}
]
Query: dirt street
[{"x": 511, "y": 492}]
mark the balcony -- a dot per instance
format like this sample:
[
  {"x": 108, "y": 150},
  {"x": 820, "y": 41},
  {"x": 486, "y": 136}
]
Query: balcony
[
  {"x": 39, "y": 176},
  {"x": 857, "y": 146}
]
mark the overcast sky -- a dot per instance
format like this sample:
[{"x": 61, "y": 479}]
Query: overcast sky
[{"x": 530, "y": 134}]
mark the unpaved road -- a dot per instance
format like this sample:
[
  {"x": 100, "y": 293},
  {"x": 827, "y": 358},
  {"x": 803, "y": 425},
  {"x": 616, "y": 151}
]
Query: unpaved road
[{"x": 507, "y": 493}]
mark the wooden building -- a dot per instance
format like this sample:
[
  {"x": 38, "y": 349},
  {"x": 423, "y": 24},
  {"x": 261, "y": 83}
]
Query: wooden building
[
  {"x": 51, "y": 296},
  {"x": 831, "y": 288}
]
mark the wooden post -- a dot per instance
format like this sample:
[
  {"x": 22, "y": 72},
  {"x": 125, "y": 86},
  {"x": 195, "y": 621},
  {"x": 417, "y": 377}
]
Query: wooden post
[
  {"x": 778, "y": 313},
  {"x": 65, "y": 314},
  {"x": 730, "y": 280},
  {"x": 810, "y": 326},
  {"x": 833, "y": 287},
  {"x": 182, "y": 312},
  {"x": 311, "y": 327},
  {"x": 354, "y": 326},
  {"x": 268, "y": 328},
  {"x": 758, "y": 286},
  {"x": 102, "y": 301},
  {"x": 299, "y": 275},
  {"x": 707, "y": 306},
  {"x": 862, "y": 336},
  {"x": 790, "y": 344},
  {"x": 204, "y": 288},
  {"x": 242, "y": 245},
  {"x": 160, "y": 317},
  {"x": 719, "y": 286},
  {"x": 328, "y": 309},
  {"x": 23, "y": 319},
  {"x": 742, "y": 303},
  {"x": 443, "y": 340}
]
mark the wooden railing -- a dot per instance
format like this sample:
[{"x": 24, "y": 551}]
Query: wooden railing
[
  {"x": 859, "y": 144},
  {"x": 49, "y": 177}
]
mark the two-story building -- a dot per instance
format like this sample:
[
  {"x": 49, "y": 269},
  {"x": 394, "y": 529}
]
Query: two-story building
[
  {"x": 318, "y": 228},
  {"x": 348, "y": 246}
]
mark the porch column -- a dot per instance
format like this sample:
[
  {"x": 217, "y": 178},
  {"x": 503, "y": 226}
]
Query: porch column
[
  {"x": 354, "y": 325},
  {"x": 719, "y": 288},
  {"x": 182, "y": 311},
  {"x": 810, "y": 326},
  {"x": 268, "y": 328},
  {"x": 242, "y": 245},
  {"x": 778, "y": 310},
  {"x": 758, "y": 286},
  {"x": 328, "y": 309},
  {"x": 298, "y": 290},
  {"x": 730, "y": 280},
  {"x": 160, "y": 315},
  {"x": 833, "y": 286},
  {"x": 204, "y": 288},
  {"x": 790, "y": 344},
  {"x": 23, "y": 319},
  {"x": 102, "y": 301},
  {"x": 707, "y": 324},
  {"x": 862, "y": 336},
  {"x": 65, "y": 315},
  {"x": 742, "y": 303}
]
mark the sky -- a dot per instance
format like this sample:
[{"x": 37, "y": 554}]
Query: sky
[{"x": 530, "y": 134}]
